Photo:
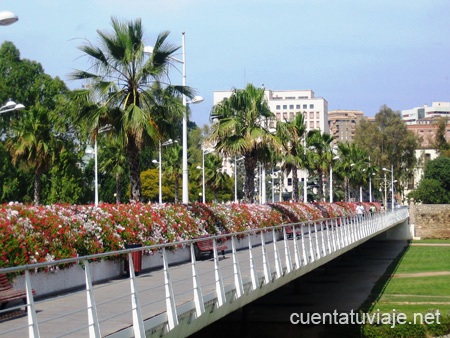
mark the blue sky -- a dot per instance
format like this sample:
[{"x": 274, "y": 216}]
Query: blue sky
[{"x": 357, "y": 54}]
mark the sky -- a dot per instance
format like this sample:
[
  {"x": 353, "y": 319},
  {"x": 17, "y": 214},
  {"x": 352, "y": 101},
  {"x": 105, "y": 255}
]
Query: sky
[{"x": 356, "y": 54}]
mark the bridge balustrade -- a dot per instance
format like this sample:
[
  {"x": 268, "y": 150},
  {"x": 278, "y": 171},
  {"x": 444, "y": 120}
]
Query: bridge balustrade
[{"x": 179, "y": 299}]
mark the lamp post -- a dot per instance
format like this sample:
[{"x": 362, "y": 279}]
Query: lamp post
[
  {"x": 204, "y": 152},
  {"x": 195, "y": 99},
  {"x": 11, "y": 106},
  {"x": 392, "y": 185},
  {"x": 331, "y": 178},
  {"x": 168, "y": 142},
  {"x": 8, "y": 18},
  {"x": 100, "y": 130}
]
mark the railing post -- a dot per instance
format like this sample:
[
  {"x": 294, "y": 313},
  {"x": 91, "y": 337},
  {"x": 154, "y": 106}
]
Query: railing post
[
  {"x": 328, "y": 227},
  {"x": 252, "y": 264},
  {"x": 311, "y": 252},
  {"x": 198, "y": 295},
  {"x": 94, "y": 326},
  {"x": 302, "y": 233},
  {"x": 334, "y": 229},
  {"x": 138, "y": 323},
  {"x": 316, "y": 241},
  {"x": 322, "y": 240},
  {"x": 276, "y": 255},
  {"x": 287, "y": 253},
  {"x": 236, "y": 269},
  {"x": 33, "y": 327},
  {"x": 267, "y": 273},
  {"x": 220, "y": 292},
  {"x": 172, "y": 316},
  {"x": 296, "y": 250}
]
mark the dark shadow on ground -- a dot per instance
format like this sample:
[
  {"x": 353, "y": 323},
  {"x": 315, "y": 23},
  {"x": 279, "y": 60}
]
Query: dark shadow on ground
[{"x": 351, "y": 282}]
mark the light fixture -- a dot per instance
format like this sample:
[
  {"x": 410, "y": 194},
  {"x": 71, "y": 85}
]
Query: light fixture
[{"x": 8, "y": 18}]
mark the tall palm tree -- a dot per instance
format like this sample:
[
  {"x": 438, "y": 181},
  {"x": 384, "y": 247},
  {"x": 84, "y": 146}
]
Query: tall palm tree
[
  {"x": 32, "y": 145},
  {"x": 240, "y": 129},
  {"x": 125, "y": 82},
  {"x": 291, "y": 135},
  {"x": 319, "y": 155}
]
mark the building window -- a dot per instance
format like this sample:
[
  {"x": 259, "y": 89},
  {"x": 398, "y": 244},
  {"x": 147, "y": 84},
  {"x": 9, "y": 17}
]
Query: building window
[
  {"x": 317, "y": 115},
  {"x": 297, "y": 106},
  {"x": 305, "y": 106},
  {"x": 278, "y": 116},
  {"x": 277, "y": 107},
  {"x": 284, "y": 106},
  {"x": 289, "y": 181},
  {"x": 311, "y": 115},
  {"x": 311, "y": 124},
  {"x": 311, "y": 106},
  {"x": 291, "y": 106}
]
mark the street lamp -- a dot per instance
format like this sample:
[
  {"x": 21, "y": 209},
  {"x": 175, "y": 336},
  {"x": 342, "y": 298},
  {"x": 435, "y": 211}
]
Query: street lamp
[
  {"x": 168, "y": 142},
  {"x": 204, "y": 152},
  {"x": 195, "y": 99},
  {"x": 101, "y": 130},
  {"x": 11, "y": 106},
  {"x": 8, "y": 18},
  {"x": 392, "y": 185},
  {"x": 331, "y": 178}
]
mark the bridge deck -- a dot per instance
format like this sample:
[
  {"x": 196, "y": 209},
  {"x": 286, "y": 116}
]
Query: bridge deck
[{"x": 274, "y": 265}]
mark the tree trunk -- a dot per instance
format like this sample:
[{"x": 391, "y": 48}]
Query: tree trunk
[
  {"x": 117, "y": 188},
  {"x": 295, "y": 192},
  {"x": 37, "y": 188},
  {"x": 177, "y": 187},
  {"x": 249, "y": 188},
  {"x": 135, "y": 172},
  {"x": 347, "y": 189}
]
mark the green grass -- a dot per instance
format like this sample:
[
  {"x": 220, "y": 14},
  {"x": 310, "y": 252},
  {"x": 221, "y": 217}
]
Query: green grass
[
  {"x": 432, "y": 241},
  {"x": 425, "y": 259},
  {"x": 413, "y": 295}
]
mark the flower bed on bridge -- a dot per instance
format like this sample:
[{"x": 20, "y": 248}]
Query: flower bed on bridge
[{"x": 32, "y": 234}]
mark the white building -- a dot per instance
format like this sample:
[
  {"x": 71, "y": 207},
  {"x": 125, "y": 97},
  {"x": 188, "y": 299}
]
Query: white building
[
  {"x": 437, "y": 109},
  {"x": 286, "y": 104}
]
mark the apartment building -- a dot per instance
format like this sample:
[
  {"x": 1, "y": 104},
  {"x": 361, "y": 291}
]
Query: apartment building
[{"x": 342, "y": 124}]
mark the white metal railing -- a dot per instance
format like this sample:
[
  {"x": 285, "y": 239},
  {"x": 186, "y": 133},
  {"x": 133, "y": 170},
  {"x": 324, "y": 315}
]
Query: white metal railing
[{"x": 160, "y": 299}]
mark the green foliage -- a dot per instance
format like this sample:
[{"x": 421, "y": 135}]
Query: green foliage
[
  {"x": 388, "y": 142},
  {"x": 434, "y": 188}
]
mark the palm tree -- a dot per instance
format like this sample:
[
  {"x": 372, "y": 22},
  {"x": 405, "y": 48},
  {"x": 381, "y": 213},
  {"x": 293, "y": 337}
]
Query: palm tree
[
  {"x": 291, "y": 135},
  {"x": 127, "y": 83},
  {"x": 319, "y": 155},
  {"x": 173, "y": 166},
  {"x": 239, "y": 129},
  {"x": 32, "y": 145},
  {"x": 352, "y": 161},
  {"x": 113, "y": 162},
  {"x": 215, "y": 179}
]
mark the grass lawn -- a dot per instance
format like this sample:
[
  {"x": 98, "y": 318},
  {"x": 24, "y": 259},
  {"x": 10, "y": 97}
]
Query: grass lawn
[
  {"x": 416, "y": 294},
  {"x": 425, "y": 259},
  {"x": 432, "y": 241}
]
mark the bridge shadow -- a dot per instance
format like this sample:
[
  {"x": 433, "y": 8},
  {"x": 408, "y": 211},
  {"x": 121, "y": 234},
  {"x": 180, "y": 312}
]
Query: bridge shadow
[{"x": 351, "y": 282}]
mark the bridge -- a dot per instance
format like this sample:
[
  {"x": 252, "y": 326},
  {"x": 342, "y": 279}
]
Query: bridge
[{"x": 178, "y": 297}]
